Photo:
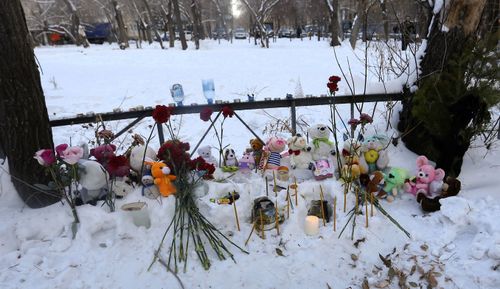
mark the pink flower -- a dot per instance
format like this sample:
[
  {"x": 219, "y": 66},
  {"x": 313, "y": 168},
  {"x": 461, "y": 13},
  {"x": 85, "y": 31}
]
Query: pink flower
[
  {"x": 45, "y": 157},
  {"x": 71, "y": 155},
  {"x": 60, "y": 148}
]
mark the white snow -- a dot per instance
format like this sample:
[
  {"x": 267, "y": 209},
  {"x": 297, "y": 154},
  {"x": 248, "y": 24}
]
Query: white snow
[{"x": 461, "y": 242}]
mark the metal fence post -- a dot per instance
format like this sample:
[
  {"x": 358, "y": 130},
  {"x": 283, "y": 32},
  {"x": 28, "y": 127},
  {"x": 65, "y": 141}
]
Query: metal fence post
[
  {"x": 293, "y": 117},
  {"x": 161, "y": 137}
]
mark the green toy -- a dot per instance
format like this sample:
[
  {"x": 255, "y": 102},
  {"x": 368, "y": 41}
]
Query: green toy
[{"x": 394, "y": 181}]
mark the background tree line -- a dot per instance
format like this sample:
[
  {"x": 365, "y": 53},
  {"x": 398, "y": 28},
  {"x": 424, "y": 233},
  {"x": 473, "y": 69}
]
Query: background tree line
[{"x": 168, "y": 20}]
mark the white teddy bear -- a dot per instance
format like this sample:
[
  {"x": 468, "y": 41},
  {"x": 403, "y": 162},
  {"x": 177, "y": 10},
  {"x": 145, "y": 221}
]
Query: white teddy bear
[
  {"x": 300, "y": 152},
  {"x": 322, "y": 151},
  {"x": 206, "y": 153},
  {"x": 322, "y": 147},
  {"x": 93, "y": 179},
  {"x": 137, "y": 156}
]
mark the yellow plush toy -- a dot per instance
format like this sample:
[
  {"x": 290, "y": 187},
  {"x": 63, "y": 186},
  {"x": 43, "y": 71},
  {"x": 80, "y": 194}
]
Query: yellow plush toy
[
  {"x": 350, "y": 160},
  {"x": 162, "y": 178}
]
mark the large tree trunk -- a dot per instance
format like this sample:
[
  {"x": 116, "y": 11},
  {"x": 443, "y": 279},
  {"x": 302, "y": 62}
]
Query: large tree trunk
[
  {"x": 177, "y": 14},
  {"x": 436, "y": 122},
  {"x": 122, "y": 31},
  {"x": 24, "y": 122}
]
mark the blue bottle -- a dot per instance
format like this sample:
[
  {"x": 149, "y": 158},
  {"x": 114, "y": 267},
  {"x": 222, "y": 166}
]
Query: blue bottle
[
  {"x": 177, "y": 94},
  {"x": 208, "y": 90}
]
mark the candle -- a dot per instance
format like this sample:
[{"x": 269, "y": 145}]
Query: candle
[
  {"x": 371, "y": 199},
  {"x": 235, "y": 211},
  {"x": 311, "y": 225},
  {"x": 366, "y": 208},
  {"x": 345, "y": 197},
  {"x": 139, "y": 213},
  {"x": 296, "y": 192}
]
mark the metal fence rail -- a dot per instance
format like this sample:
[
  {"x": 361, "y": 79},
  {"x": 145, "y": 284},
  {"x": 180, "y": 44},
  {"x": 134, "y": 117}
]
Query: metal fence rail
[{"x": 236, "y": 105}]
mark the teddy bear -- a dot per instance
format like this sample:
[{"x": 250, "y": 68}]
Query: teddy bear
[
  {"x": 299, "y": 152},
  {"x": 246, "y": 163},
  {"x": 93, "y": 179},
  {"x": 273, "y": 149},
  {"x": 428, "y": 180},
  {"x": 322, "y": 150},
  {"x": 257, "y": 147},
  {"x": 373, "y": 155},
  {"x": 206, "y": 153},
  {"x": 451, "y": 187},
  {"x": 351, "y": 168},
  {"x": 137, "y": 156},
  {"x": 394, "y": 182},
  {"x": 322, "y": 147},
  {"x": 162, "y": 178},
  {"x": 373, "y": 183}
]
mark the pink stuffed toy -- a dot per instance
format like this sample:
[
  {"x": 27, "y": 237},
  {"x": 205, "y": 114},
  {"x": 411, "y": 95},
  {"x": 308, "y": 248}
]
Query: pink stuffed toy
[
  {"x": 247, "y": 163},
  {"x": 274, "y": 147},
  {"x": 428, "y": 180}
]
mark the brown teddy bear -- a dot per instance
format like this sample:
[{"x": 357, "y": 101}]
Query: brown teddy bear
[
  {"x": 451, "y": 187},
  {"x": 372, "y": 182},
  {"x": 256, "y": 146}
]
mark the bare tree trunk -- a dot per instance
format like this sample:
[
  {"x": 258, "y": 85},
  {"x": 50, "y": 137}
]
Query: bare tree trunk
[
  {"x": 196, "y": 16},
  {"x": 385, "y": 19},
  {"x": 177, "y": 14},
  {"x": 140, "y": 34},
  {"x": 333, "y": 12},
  {"x": 76, "y": 30},
  {"x": 150, "y": 24},
  {"x": 24, "y": 122},
  {"x": 122, "y": 31},
  {"x": 169, "y": 23},
  {"x": 145, "y": 28},
  {"x": 358, "y": 21}
]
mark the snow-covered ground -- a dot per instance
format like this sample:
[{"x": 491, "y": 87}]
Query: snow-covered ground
[{"x": 458, "y": 247}]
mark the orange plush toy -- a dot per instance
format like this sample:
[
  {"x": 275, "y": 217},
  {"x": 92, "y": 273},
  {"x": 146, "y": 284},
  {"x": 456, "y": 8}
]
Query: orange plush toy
[{"x": 162, "y": 178}]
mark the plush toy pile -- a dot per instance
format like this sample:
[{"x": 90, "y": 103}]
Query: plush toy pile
[{"x": 363, "y": 160}]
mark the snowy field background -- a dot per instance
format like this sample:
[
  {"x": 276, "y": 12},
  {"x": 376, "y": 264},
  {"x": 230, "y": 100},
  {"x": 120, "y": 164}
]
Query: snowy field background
[{"x": 458, "y": 247}]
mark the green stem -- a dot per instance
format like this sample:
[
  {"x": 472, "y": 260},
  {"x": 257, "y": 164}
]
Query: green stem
[{"x": 146, "y": 147}]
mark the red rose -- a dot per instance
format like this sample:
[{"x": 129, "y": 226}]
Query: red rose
[
  {"x": 332, "y": 86},
  {"x": 354, "y": 121},
  {"x": 206, "y": 113},
  {"x": 227, "y": 111},
  {"x": 334, "y": 79},
  {"x": 162, "y": 113},
  {"x": 365, "y": 118},
  {"x": 118, "y": 166}
]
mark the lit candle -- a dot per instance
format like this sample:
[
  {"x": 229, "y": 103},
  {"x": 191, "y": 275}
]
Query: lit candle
[{"x": 311, "y": 225}]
